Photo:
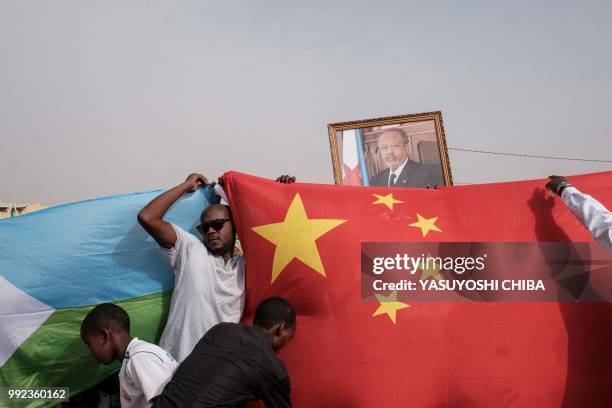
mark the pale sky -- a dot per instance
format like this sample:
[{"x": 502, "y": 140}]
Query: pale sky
[{"x": 109, "y": 97}]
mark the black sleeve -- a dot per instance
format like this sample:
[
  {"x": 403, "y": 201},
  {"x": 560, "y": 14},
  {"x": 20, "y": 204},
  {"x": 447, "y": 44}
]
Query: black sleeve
[{"x": 278, "y": 394}]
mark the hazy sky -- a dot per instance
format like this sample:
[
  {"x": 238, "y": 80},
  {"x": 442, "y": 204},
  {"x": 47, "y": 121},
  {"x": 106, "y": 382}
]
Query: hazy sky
[{"x": 107, "y": 97}]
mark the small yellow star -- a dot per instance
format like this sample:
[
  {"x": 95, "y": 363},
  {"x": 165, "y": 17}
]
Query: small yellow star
[
  {"x": 426, "y": 224},
  {"x": 429, "y": 270},
  {"x": 389, "y": 305},
  {"x": 387, "y": 200},
  {"x": 296, "y": 237}
]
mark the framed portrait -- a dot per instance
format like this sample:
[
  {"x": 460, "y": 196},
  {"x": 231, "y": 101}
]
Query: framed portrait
[{"x": 397, "y": 151}]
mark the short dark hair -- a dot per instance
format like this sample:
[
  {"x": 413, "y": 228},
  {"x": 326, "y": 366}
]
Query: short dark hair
[
  {"x": 105, "y": 316},
  {"x": 272, "y": 311},
  {"x": 401, "y": 132}
]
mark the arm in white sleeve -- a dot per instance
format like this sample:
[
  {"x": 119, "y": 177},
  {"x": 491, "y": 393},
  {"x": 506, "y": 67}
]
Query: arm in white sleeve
[{"x": 595, "y": 217}]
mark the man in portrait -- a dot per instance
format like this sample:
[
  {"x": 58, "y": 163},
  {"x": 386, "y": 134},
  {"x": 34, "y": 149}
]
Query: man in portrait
[{"x": 393, "y": 146}]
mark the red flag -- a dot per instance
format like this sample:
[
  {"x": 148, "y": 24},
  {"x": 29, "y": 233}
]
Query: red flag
[{"x": 302, "y": 242}]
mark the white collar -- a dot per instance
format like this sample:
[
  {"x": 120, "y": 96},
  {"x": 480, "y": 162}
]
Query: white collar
[
  {"x": 397, "y": 171},
  {"x": 132, "y": 343}
]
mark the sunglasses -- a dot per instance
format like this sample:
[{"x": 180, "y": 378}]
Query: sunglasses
[{"x": 215, "y": 224}]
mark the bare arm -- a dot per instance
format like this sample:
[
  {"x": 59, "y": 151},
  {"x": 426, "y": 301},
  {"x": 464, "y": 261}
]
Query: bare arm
[{"x": 151, "y": 216}]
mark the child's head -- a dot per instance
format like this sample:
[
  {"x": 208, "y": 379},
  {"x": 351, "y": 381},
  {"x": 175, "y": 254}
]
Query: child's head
[{"x": 99, "y": 329}]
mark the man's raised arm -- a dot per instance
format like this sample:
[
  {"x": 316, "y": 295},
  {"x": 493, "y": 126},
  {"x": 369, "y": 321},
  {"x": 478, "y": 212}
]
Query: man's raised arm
[
  {"x": 590, "y": 212},
  {"x": 151, "y": 216}
]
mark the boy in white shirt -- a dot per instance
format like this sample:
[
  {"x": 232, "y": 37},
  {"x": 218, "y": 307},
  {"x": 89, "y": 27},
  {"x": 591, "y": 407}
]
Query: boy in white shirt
[{"x": 145, "y": 368}]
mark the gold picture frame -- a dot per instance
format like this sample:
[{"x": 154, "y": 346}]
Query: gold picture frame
[{"x": 395, "y": 151}]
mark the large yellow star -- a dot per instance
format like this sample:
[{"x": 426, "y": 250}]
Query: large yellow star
[
  {"x": 426, "y": 224},
  {"x": 389, "y": 305},
  {"x": 430, "y": 270},
  {"x": 387, "y": 200},
  {"x": 295, "y": 238}
]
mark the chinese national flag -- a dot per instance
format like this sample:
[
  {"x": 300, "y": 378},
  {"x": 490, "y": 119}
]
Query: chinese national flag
[{"x": 302, "y": 242}]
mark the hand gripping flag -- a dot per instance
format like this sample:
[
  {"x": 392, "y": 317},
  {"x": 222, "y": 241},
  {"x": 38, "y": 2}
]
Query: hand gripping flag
[
  {"x": 302, "y": 242},
  {"x": 56, "y": 264}
]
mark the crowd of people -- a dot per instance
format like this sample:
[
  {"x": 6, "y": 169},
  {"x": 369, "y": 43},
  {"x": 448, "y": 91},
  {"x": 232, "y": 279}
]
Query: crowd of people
[{"x": 205, "y": 357}]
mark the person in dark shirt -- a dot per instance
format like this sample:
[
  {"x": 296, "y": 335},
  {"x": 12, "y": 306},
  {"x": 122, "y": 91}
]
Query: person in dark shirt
[{"x": 235, "y": 363}]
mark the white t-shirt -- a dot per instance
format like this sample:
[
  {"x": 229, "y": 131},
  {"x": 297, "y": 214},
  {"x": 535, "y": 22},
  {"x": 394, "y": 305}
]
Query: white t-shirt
[
  {"x": 207, "y": 291},
  {"x": 145, "y": 371}
]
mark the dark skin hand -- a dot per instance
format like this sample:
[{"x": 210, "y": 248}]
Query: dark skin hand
[
  {"x": 555, "y": 182},
  {"x": 285, "y": 179},
  {"x": 151, "y": 216}
]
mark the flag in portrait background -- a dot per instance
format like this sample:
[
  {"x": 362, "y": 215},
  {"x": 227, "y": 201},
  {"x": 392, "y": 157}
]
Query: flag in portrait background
[{"x": 354, "y": 171}]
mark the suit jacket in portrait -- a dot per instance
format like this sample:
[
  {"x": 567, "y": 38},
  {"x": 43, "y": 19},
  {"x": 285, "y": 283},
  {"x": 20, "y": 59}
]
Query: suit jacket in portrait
[{"x": 413, "y": 175}]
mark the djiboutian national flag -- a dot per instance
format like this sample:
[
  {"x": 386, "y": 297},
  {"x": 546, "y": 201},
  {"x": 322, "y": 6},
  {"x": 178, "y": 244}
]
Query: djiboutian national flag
[
  {"x": 58, "y": 263},
  {"x": 351, "y": 167},
  {"x": 302, "y": 242}
]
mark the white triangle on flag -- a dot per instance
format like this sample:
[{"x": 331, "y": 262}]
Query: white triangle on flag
[
  {"x": 20, "y": 316},
  {"x": 350, "y": 155}
]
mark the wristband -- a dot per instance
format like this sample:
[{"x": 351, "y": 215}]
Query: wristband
[{"x": 562, "y": 186}]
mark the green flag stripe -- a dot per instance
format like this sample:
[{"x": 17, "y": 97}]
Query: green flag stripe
[{"x": 55, "y": 356}]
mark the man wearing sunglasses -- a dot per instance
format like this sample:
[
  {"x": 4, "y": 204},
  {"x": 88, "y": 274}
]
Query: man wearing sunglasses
[{"x": 209, "y": 277}]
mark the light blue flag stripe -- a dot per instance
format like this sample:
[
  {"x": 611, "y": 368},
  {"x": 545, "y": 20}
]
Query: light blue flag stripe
[
  {"x": 362, "y": 161},
  {"x": 92, "y": 251}
]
